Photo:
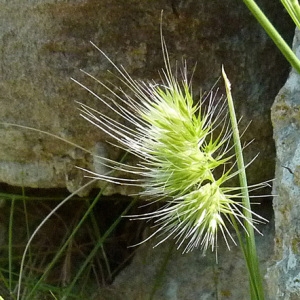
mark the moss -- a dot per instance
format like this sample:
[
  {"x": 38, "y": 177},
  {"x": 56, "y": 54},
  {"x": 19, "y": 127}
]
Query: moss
[
  {"x": 226, "y": 294},
  {"x": 295, "y": 245},
  {"x": 296, "y": 174}
]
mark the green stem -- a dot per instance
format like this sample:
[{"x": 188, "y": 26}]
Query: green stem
[
  {"x": 293, "y": 8},
  {"x": 249, "y": 249},
  {"x": 273, "y": 33},
  {"x": 97, "y": 246},
  {"x": 10, "y": 235},
  {"x": 296, "y": 7}
]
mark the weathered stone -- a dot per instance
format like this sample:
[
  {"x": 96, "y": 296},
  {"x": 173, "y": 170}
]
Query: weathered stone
[
  {"x": 284, "y": 274},
  {"x": 166, "y": 274},
  {"x": 45, "y": 42}
]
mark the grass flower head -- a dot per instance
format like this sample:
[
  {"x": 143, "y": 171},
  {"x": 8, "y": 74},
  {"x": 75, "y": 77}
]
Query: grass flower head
[{"x": 180, "y": 145}]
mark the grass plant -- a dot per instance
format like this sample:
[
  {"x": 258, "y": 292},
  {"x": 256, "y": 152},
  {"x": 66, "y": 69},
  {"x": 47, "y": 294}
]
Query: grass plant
[
  {"x": 61, "y": 268},
  {"x": 249, "y": 249},
  {"x": 293, "y": 8},
  {"x": 181, "y": 146}
]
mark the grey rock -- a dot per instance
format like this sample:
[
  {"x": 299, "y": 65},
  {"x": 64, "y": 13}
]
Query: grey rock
[
  {"x": 45, "y": 42},
  {"x": 164, "y": 273},
  {"x": 284, "y": 274}
]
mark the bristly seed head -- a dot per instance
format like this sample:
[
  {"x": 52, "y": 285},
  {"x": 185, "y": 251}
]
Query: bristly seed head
[{"x": 179, "y": 151}]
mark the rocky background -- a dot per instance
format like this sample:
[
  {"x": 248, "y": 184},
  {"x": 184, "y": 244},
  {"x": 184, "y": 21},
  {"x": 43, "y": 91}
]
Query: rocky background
[
  {"x": 45, "y": 43},
  {"x": 284, "y": 273}
]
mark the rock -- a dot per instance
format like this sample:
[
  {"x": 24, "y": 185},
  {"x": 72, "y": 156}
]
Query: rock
[
  {"x": 45, "y": 42},
  {"x": 284, "y": 274},
  {"x": 163, "y": 273}
]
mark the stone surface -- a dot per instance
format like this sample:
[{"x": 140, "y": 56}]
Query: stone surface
[
  {"x": 284, "y": 274},
  {"x": 163, "y": 273},
  {"x": 45, "y": 42}
]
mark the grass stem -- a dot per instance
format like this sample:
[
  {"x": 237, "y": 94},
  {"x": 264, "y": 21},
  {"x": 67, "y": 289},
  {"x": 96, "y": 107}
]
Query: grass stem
[
  {"x": 249, "y": 249},
  {"x": 273, "y": 33}
]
